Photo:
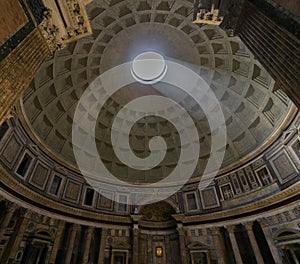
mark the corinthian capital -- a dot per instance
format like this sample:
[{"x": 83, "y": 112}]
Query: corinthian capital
[{"x": 230, "y": 228}]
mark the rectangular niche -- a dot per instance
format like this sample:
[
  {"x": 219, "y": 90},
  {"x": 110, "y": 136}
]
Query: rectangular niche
[
  {"x": 24, "y": 164},
  {"x": 89, "y": 197},
  {"x": 11, "y": 151},
  {"x": 39, "y": 176},
  {"x": 122, "y": 203},
  {"x": 209, "y": 198},
  {"x": 56, "y": 184},
  {"x": 105, "y": 200},
  {"x": 191, "y": 201},
  {"x": 72, "y": 191},
  {"x": 283, "y": 166}
]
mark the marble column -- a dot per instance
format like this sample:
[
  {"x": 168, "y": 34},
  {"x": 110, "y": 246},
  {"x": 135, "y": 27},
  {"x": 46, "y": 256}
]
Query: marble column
[
  {"x": 249, "y": 227},
  {"x": 88, "y": 240},
  {"x": 135, "y": 250},
  {"x": 274, "y": 251},
  {"x": 102, "y": 246},
  {"x": 136, "y": 232},
  {"x": 11, "y": 208},
  {"x": 58, "y": 237},
  {"x": 77, "y": 245},
  {"x": 182, "y": 243},
  {"x": 234, "y": 244},
  {"x": 218, "y": 245},
  {"x": 70, "y": 248},
  {"x": 16, "y": 238}
]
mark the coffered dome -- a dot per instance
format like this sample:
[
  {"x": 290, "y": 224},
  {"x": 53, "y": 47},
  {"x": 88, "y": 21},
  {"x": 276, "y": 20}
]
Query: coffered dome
[
  {"x": 137, "y": 83},
  {"x": 252, "y": 104}
]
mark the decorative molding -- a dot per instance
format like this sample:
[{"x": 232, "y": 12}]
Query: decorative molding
[
  {"x": 64, "y": 21},
  {"x": 50, "y": 32}
]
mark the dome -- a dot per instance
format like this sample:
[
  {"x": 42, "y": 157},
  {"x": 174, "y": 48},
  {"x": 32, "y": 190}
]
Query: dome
[
  {"x": 248, "y": 96},
  {"x": 149, "y": 132}
]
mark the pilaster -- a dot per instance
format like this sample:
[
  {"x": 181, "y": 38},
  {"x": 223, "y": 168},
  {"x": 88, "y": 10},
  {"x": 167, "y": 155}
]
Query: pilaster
[
  {"x": 102, "y": 246},
  {"x": 11, "y": 208},
  {"x": 17, "y": 237},
  {"x": 72, "y": 238},
  {"x": 58, "y": 237},
  {"x": 275, "y": 253},
  {"x": 181, "y": 234},
  {"x": 249, "y": 227},
  {"x": 88, "y": 240},
  {"x": 218, "y": 245},
  {"x": 234, "y": 244}
]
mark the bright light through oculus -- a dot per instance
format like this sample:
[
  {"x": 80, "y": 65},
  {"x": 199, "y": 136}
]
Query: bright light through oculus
[{"x": 149, "y": 67}]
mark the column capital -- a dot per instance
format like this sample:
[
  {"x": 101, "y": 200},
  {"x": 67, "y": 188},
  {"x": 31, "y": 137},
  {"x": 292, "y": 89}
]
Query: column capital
[
  {"x": 136, "y": 231},
  {"x": 248, "y": 226},
  {"x": 263, "y": 222},
  {"x": 76, "y": 227},
  {"x": 215, "y": 230},
  {"x": 179, "y": 225},
  {"x": 61, "y": 223},
  {"x": 25, "y": 213},
  {"x": 230, "y": 228},
  {"x": 11, "y": 207},
  {"x": 180, "y": 229},
  {"x": 90, "y": 229}
]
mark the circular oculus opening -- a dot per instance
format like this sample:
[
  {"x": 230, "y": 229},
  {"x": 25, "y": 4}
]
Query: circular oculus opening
[{"x": 149, "y": 67}]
